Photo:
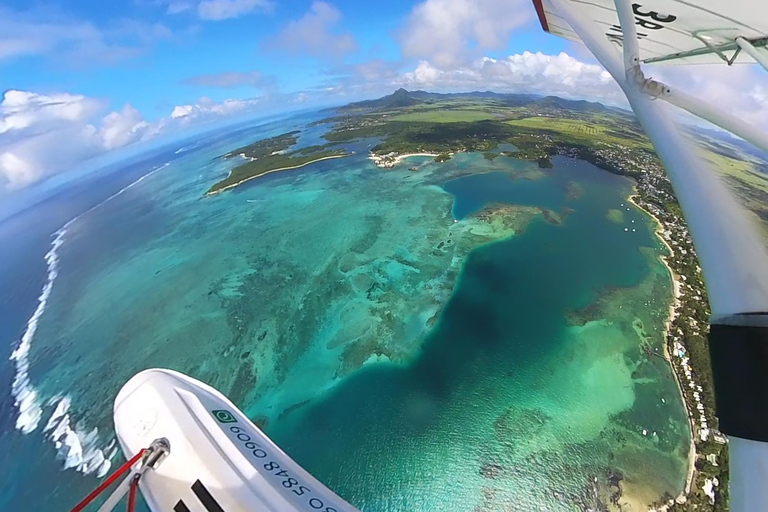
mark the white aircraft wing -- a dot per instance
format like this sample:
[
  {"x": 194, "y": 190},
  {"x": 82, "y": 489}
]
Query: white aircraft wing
[{"x": 675, "y": 31}]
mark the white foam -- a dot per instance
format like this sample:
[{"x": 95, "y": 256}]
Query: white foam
[
  {"x": 62, "y": 408},
  {"x": 75, "y": 446},
  {"x": 24, "y": 394}
]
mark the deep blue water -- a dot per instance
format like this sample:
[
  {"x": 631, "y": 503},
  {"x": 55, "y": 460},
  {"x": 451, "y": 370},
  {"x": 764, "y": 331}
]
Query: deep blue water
[
  {"x": 496, "y": 187},
  {"x": 25, "y": 237},
  {"x": 495, "y": 349}
]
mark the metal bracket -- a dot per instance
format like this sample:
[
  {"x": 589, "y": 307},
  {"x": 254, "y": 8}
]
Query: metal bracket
[
  {"x": 156, "y": 453},
  {"x": 716, "y": 49},
  {"x": 654, "y": 89},
  {"x": 750, "y": 47}
]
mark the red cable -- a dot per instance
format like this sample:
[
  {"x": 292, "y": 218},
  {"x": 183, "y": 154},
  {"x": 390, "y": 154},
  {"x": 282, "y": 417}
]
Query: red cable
[
  {"x": 132, "y": 494},
  {"x": 106, "y": 483}
]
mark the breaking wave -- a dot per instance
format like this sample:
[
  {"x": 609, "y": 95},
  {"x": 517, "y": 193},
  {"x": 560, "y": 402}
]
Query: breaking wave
[{"x": 74, "y": 445}]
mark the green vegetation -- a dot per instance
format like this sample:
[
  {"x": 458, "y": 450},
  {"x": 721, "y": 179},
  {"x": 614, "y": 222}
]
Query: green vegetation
[
  {"x": 266, "y": 147},
  {"x": 444, "y": 116},
  {"x": 581, "y": 131},
  {"x": 424, "y": 137},
  {"x": 539, "y": 128},
  {"x": 746, "y": 180},
  {"x": 272, "y": 155}
]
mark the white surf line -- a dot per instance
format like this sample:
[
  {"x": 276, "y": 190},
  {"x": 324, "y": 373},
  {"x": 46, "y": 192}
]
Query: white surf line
[{"x": 72, "y": 446}]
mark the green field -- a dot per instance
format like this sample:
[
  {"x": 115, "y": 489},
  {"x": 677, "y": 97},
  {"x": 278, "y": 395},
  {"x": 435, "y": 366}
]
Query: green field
[
  {"x": 749, "y": 185},
  {"x": 583, "y": 131},
  {"x": 444, "y": 116},
  {"x": 740, "y": 169}
]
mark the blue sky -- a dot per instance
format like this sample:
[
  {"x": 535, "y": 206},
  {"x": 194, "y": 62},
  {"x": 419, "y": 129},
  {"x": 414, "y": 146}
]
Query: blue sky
[
  {"x": 81, "y": 78},
  {"x": 162, "y": 51}
]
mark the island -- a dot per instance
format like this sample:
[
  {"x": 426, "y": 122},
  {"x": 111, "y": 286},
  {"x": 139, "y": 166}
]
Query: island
[{"x": 272, "y": 155}]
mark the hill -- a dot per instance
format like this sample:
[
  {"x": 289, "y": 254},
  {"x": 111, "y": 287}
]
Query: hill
[
  {"x": 404, "y": 98},
  {"x": 577, "y": 105},
  {"x": 399, "y": 98}
]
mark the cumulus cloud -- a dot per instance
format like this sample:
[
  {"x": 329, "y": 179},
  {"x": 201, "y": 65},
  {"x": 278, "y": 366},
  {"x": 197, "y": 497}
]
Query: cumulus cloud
[
  {"x": 528, "y": 72},
  {"x": 373, "y": 71},
  {"x": 217, "y": 10},
  {"x": 41, "y": 135},
  {"x": 561, "y": 74},
  {"x": 233, "y": 79},
  {"x": 206, "y": 109},
  {"x": 74, "y": 42},
  {"x": 452, "y": 33},
  {"x": 741, "y": 90},
  {"x": 17, "y": 171},
  {"x": 124, "y": 127},
  {"x": 22, "y": 110},
  {"x": 224, "y": 9},
  {"x": 314, "y": 34}
]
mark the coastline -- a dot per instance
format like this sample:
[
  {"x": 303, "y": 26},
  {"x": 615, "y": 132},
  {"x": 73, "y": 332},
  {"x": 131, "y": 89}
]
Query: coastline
[
  {"x": 388, "y": 161},
  {"x": 228, "y": 187},
  {"x": 673, "y": 311}
]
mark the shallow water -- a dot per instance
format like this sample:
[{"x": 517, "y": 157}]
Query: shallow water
[
  {"x": 507, "y": 403},
  {"x": 325, "y": 303}
]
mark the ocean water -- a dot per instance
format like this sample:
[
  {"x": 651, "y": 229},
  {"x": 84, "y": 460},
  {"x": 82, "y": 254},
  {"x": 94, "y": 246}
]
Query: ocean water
[{"x": 408, "y": 352}]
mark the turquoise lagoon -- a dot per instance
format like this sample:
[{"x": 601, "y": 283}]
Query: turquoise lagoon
[{"x": 465, "y": 337}]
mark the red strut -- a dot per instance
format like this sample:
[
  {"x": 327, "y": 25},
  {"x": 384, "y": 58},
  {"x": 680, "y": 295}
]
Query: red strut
[
  {"x": 109, "y": 481},
  {"x": 132, "y": 494}
]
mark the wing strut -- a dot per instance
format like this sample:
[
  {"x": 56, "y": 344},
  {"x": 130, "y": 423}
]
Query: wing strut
[
  {"x": 750, "y": 49},
  {"x": 732, "y": 256}
]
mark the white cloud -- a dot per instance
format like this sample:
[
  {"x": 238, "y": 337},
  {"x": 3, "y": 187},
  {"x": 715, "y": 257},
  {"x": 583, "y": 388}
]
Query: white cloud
[
  {"x": 534, "y": 73},
  {"x": 313, "y": 34},
  {"x": 207, "y": 109},
  {"x": 176, "y": 7},
  {"x": 74, "y": 42},
  {"x": 216, "y": 10},
  {"x": 741, "y": 90},
  {"x": 20, "y": 110},
  {"x": 452, "y": 33},
  {"x": 376, "y": 70},
  {"x": 17, "y": 172},
  {"x": 124, "y": 127},
  {"x": 233, "y": 79},
  {"x": 180, "y": 111},
  {"x": 41, "y": 135}
]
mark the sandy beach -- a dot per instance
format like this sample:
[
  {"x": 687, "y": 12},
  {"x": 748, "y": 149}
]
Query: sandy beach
[
  {"x": 392, "y": 161},
  {"x": 672, "y": 313}
]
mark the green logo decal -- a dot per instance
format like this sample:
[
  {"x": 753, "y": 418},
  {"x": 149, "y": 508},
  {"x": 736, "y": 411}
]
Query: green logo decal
[{"x": 224, "y": 416}]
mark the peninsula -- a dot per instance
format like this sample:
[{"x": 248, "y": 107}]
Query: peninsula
[{"x": 272, "y": 155}]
